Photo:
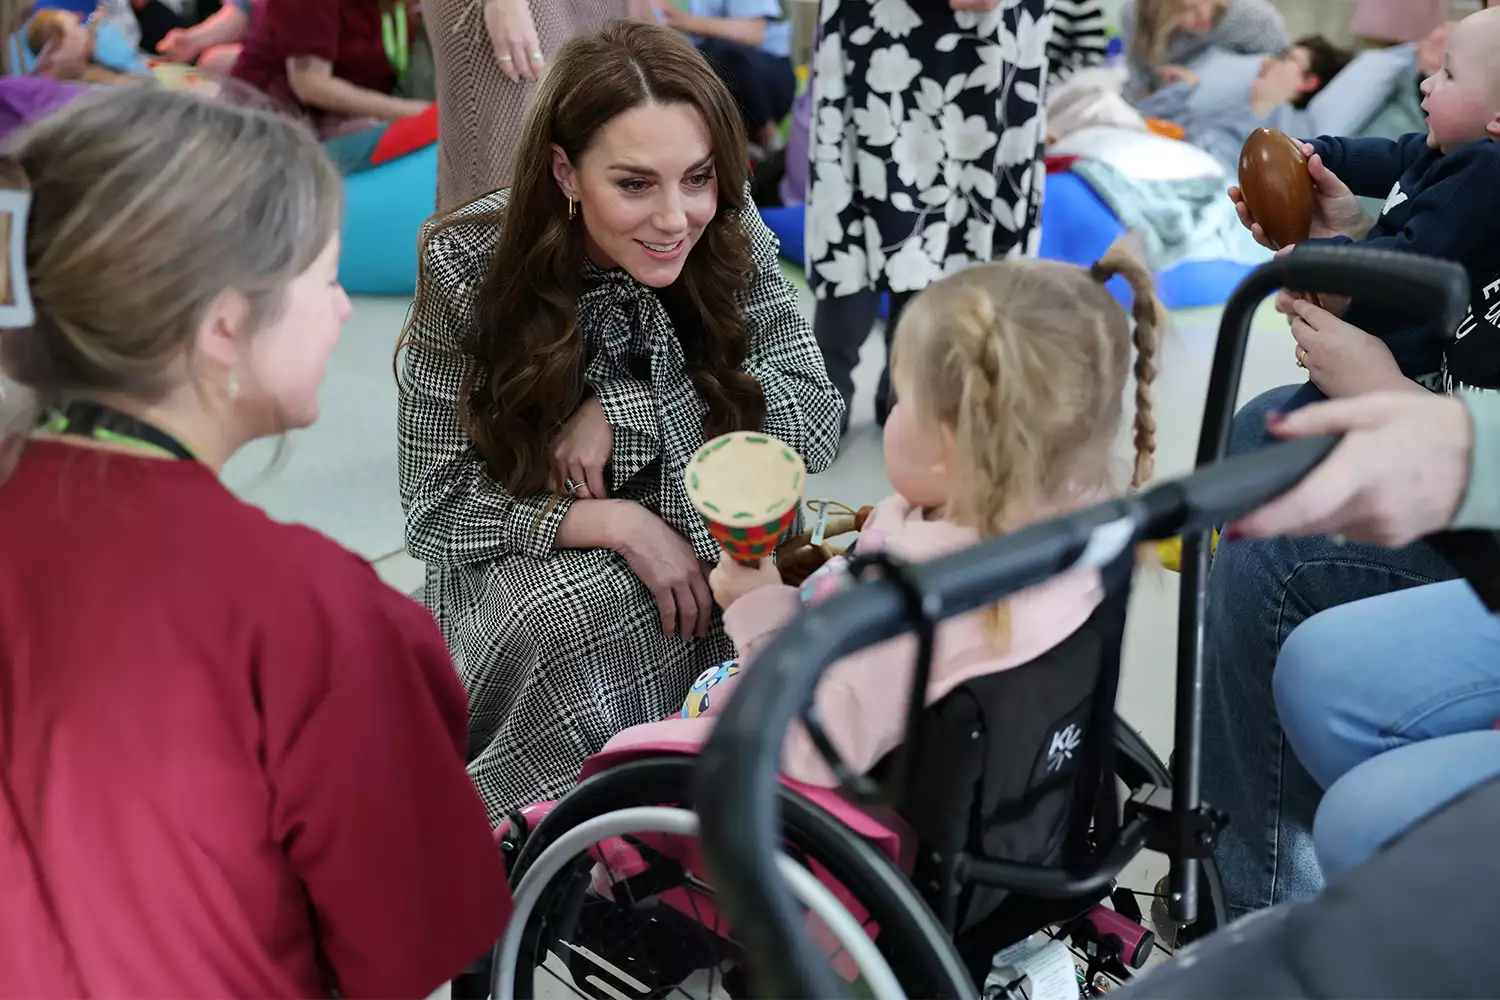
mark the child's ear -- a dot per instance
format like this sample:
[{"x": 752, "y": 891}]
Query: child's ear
[
  {"x": 1310, "y": 83},
  {"x": 947, "y": 454},
  {"x": 1493, "y": 128}
]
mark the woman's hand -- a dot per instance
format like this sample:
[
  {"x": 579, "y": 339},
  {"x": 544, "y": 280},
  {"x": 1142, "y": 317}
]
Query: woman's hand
[
  {"x": 1336, "y": 211},
  {"x": 665, "y": 562},
  {"x": 1336, "y": 304},
  {"x": 730, "y": 580},
  {"x": 1399, "y": 473},
  {"x": 179, "y": 45},
  {"x": 1172, "y": 74},
  {"x": 513, "y": 34},
  {"x": 583, "y": 450},
  {"x": 1342, "y": 359}
]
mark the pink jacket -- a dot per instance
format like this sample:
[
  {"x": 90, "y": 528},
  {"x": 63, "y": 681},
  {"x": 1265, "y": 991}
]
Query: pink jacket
[{"x": 862, "y": 698}]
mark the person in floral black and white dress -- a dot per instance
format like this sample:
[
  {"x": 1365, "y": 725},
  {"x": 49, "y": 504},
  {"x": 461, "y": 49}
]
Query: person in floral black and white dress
[{"x": 926, "y": 155}]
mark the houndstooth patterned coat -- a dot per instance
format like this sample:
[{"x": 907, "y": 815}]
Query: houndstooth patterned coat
[{"x": 560, "y": 649}]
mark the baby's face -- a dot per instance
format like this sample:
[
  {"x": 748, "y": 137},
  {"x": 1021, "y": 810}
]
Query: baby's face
[
  {"x": 1462, "y": 97},
  {"x": 74, "y": 44}
]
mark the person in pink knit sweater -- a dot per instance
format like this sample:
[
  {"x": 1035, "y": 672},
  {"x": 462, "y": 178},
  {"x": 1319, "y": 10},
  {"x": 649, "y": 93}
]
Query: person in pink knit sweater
[{"x": 1009, "y": 380}]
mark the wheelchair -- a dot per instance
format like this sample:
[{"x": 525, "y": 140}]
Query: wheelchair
[{"x": 1011, "y": 807}]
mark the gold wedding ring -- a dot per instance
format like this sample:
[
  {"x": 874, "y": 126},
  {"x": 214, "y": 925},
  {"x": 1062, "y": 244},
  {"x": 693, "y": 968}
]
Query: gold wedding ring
[{"x": 1301, "y": 357}]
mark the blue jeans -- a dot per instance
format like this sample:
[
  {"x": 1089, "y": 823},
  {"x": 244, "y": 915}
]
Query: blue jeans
[
  {"x": 1391, "y": 704},
  {"x": 1258, "y": 592}
]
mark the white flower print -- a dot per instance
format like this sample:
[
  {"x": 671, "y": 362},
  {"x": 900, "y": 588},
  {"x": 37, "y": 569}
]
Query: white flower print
[
  {"x": 965, "y": 138},
  {"x": 829, "y": 196},
  {"x": 1018, "y": 145},
  {"x": 981, "y": 182},
  {"x": 918, "y": 151},
  {"x": 874, "y": 122},
  {"x": 894, "y": 17},
  {"x": 930, "y": 97},
  {"x": 829, "y": 134},
  {"x": 1031, "y": 40},
  {"x": 848, "y": 271},
  {"x": 990, "y": 72},
  {"x": 911, "y": 268},
  {"x": 828, "y": 69},
  {"x": 979, "y": 239},
  {"x": 872, "y": 176},
  {"x": 891, "y": 70},
  {"x": 926, "y": 123},
  {"x": 874, "y": 249}
]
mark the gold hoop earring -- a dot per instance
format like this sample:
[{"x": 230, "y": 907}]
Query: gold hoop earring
[{"x": 572, "y": 208}]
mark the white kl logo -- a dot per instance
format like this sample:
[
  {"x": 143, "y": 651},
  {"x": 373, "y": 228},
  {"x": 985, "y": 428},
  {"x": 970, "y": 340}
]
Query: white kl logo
[
  {"x": 1064, "y": 742},
  {"x": 1396, "y": 197}
]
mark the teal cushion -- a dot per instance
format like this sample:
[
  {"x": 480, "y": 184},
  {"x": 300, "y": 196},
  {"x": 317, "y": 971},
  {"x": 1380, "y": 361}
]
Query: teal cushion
[{"x": 383, "y": 209}]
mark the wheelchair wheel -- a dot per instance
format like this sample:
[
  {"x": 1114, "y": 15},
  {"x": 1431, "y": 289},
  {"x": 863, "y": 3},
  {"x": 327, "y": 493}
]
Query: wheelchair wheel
[
  {"x": 639, "y": 940},
  {"x": 1136, "y": 764}
]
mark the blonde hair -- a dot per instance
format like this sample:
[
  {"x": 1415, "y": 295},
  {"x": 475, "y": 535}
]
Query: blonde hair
[
  {"x": 46, "y": 26},
  {"x": 1026, "y": 362},
  {"x": 1155, "y": 20},
  {"x": 147, "y": 206}
]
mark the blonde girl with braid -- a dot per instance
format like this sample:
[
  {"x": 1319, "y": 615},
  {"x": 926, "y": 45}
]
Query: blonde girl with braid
[{"x": 1010, "y": 381}]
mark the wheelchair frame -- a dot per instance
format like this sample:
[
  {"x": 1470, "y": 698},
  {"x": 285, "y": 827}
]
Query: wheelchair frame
[{"x": 736, "y": 794}]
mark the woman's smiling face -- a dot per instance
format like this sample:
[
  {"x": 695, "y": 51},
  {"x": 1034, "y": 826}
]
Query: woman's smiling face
[{"x": 645, "y": 189}]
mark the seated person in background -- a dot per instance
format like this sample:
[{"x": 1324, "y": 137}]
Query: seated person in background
[
  {"x": 1442, "y": 189},
  {"x": 326, "y": 58},
  {"x": 74, "y": 53},
  {"x": 213, "y": 44},
  {"x": 1162, "y": 36},
  {"x": 1218, "y": 113},
  {"x": 749, "y": 45}
]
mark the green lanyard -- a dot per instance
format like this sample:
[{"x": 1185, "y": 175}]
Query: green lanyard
[
  {"x": 107, "y": 424},
  {"x": 393, "y": 34}
]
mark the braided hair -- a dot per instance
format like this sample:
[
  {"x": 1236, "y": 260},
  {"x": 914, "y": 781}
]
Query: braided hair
[{"x": 1025, "y": 362}]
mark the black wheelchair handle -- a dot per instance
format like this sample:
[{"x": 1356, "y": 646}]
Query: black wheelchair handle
[
  {"x": 737, "y": 772},
  {"x": 1415, "y": 286},
  {"x": 1424, "y": 287}
]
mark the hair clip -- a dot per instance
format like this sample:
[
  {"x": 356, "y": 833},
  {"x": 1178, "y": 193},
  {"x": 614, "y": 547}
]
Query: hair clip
[{"x": 16, "y": 309}]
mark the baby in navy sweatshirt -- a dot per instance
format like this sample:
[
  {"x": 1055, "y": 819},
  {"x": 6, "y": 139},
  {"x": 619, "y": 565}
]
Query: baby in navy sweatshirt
[{"x": 1441, "y": 189}]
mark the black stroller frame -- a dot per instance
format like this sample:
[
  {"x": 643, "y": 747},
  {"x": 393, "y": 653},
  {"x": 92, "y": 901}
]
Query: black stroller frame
[{"x": 736, "y": 789}]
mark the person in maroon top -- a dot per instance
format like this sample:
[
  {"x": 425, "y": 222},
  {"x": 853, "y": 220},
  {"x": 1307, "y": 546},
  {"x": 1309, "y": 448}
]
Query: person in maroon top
[
  {"x": 326, "y": 57},
  {"x": 233, "y": 760}
]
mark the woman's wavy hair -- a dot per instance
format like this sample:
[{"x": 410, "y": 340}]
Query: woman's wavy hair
[{"x": 526, "y": 354}]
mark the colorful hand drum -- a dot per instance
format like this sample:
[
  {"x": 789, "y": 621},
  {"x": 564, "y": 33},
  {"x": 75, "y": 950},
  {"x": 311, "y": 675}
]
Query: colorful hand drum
[
  {"x": 1277, "y": 187},
  {"x": 747, "y": 487}
]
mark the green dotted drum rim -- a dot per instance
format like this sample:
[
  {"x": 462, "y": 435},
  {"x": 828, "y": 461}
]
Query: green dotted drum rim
[{"x": 759, "y": 511}]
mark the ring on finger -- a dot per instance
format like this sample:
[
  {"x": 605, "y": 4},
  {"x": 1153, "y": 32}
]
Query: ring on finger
[
  {"x": 506, "y": 59},
  {"x": 571, "y": 486},
  {"x": 1301, "y": 357},
  {"x": 537, "y": 56}
]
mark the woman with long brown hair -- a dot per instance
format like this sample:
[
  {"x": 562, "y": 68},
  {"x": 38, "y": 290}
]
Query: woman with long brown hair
[{"x": 575, "y": 339}]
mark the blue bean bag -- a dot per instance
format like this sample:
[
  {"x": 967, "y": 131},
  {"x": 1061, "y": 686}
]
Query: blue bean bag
[
  {"x": 383, "y": 209},
  {"x": 1077, "y": 227}
]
